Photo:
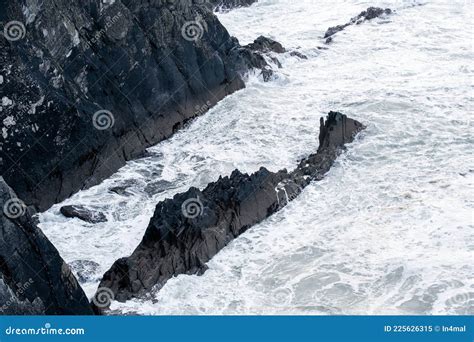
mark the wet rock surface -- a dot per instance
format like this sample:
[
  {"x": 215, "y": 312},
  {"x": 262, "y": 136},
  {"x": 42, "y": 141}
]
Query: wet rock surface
[
  {"x": 254, "y": 55},
  {"x": 264, "y": 44},
  {"x": 189, "y": 229},
  {"x": 87, "y": 86},
  {"x": 369, "y": 14},
  {"x": 83, "y": 213},
  {"x": 34, "y": 279}
]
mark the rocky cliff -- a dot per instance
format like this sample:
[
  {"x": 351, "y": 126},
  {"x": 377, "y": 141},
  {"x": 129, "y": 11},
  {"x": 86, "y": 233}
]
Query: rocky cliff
[
  {"x": 87, "y": 85},
  {"x": 188, "y": 230},
  {"x": 33, "y": 277}
]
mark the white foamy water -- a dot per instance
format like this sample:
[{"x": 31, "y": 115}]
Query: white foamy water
[{"x": 388, "y": 231}]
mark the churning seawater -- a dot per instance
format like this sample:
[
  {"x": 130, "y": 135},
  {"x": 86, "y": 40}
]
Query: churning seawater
[{"x": 388, "y": 231}]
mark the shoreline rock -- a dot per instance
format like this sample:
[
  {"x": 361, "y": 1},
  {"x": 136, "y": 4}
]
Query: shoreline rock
[
  {"x": 254, "y": 55},
  {"x": 264, "y": 45},
  {"x": 34, "y": 279},
  {"x": 369, "y": 14},
  {"x": 187, "y": 231},
  {"x": 92, "y": 87}
]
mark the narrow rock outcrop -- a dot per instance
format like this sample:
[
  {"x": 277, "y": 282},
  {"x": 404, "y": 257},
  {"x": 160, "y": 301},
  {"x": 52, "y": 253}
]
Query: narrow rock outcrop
[
  {"x": 34, "y": 279},
  {"x": 86, "y": 86},
  {"x": 369, "y": 14},
  {"x": 188, "y": 230}
]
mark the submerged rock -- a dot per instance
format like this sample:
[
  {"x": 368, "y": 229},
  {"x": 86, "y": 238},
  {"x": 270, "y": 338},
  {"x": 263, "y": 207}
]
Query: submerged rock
[
  {"x": 83, "y": 213},
  {"x": 298, "y": 54},
  {"x": 120, "y": 190},
  {"x": 370, "y": 13},
  {"x": 186, "y": 231},
  {"x": 34, "y": 279},
  {"x": 156, "y": 187},
  {"x": 87, "y": 86}
]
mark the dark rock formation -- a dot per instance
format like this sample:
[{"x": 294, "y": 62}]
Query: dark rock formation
[
  {"x": 253, "y": 54},
  {"x": 188, "y": 230},
  {"x": 264, "y": 44},
  {"x": 83, "y": 213},
  {"x": 86, "y": 86},
  {"x": 369, "y": 14},
  {"x": 33, "y": 277},
  {"x": 225, "y": 5}
]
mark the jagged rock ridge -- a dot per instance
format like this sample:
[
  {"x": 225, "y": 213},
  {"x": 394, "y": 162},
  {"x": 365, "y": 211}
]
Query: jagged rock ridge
[
  {"x": 187, "y": 231},
  {"x": 369, "y": 14}
]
